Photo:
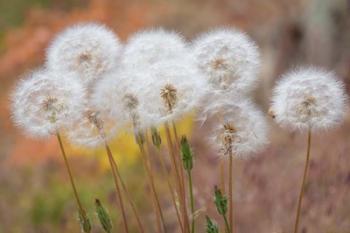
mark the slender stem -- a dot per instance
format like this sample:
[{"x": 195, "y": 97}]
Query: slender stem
[
  {"x": 222, "y": 175},
  {"x": 227, "y": 225},
  {"x": 119, "y": 194},
  {"x": 190, "y": 187},
  {"x": 128, "y": 196},
  {"x": 150, "y": 175},
  {"x": 302, "y": 190},
  {"x": 177, "y": 178},
  {"x": 177, "y": 151},
  {"x": 175, "y": 133},
  {"x": 230, "y": 191},
  {"x": 172, "y": 192},
  {"x": 81, "y": 209}
]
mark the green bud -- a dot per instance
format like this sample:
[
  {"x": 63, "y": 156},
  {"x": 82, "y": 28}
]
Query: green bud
[
  {"x": 186, "y": 152},
  {"x": 220, "y": 201},
  {"x": 139, "y": 138},
  {"x": 156, "y": 139},
  {"x": 103, "y": 216},
  {"x": 84, "y": 222},
  {"x": 212, "y": 227}
]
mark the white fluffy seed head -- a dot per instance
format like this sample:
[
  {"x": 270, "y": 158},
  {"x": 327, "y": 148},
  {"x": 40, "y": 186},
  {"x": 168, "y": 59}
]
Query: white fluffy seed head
[
  {"x": 47, "y": 101},
  {"x": 151, "y": 46},
  {"x": 86, "y": 49},
  {"x": 113, "y": 95},
  {"x": 229, "y": 59},
  {"x": 241, "y": 129},
  {"x": 308, "y": 98},
  {"x": 151, "y": 95},
  {"x": 171, "y": 90},
  {"x": 93, "y": 129}
]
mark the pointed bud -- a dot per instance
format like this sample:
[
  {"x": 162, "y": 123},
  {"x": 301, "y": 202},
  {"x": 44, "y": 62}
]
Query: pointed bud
[
  {"x": 212, "y": 227},
  {"x": 84, "y": 222},
  {"x": 186, "y": 152},
  {"x": 156, "y": 139},
  {"x": 139, "y": 138},
  {"x": 103, "y": 216},
  {"x": 220, "y": 201}
]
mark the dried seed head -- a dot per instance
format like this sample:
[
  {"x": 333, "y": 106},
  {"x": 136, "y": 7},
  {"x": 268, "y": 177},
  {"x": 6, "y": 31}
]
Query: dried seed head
[
  {"x": 242, "y": 130},
  {"x": 47, "y": 101},
  {"x": 94, "y": 119},
  {"x": 168, "y": 93},
  {"x": 229, "y": 60},
  {"x": 228, "y": 138},
  {"x": 309, "y": 97},
  {"x": 93, "y": 129},
  {"x": 149, "y": 47},
  {"x": 89, "y": 50},
  {"x": 131, "y": 102},
  {"x": 168, "y": 89},
  {"x": 114, "y": 97}
]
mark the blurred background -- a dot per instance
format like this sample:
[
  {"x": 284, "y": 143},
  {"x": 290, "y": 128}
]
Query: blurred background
[{"x": 35, "y": 196}]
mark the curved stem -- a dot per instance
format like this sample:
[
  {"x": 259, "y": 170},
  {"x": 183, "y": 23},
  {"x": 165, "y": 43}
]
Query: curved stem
[
  {"x": 132, "y": 204},
  {"x": 119, "y": 194},
  {"x": 302, "y": 189}
]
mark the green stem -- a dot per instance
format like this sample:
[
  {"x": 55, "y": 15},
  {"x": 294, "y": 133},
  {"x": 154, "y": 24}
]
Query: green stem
[{"x": 190, "y": 186}]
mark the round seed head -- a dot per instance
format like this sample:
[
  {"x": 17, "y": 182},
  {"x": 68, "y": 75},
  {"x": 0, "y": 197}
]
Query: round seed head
[
  {"x": 86, "y": 49},
  {"x": 308, "y": 98}
]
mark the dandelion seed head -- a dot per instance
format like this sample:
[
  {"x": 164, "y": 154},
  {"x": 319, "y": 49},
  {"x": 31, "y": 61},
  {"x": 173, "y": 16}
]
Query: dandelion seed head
[
  {"x": 93, "y": 129},
  {"x": 46, "y": 101},
  {"x": 115, "y": 97},
  {"x": 308, "y": 97},
  {"x": 168, "y": 90},
  {"x": 151, "y": 46},
  {"x": 229, "y": 59},
  {"x": 241, "y": 129},
  {"x": 86, "y": 49}
]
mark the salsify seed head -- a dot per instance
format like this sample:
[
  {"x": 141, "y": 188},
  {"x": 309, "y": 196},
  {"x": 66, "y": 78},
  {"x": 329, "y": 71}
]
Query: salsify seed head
[
  {"x": 241, "y": 129},
  {"x": 86, "y": 49},
  {"x": 229, "y": 59},
  {"x": 148, "y": 47},
  {"x": 308, "y": 98},
  {"x": 47, "y": 101}
]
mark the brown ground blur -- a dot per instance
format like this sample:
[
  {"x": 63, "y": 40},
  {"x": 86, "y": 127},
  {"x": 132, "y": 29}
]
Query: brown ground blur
[{"x": 35, "y": 195}]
